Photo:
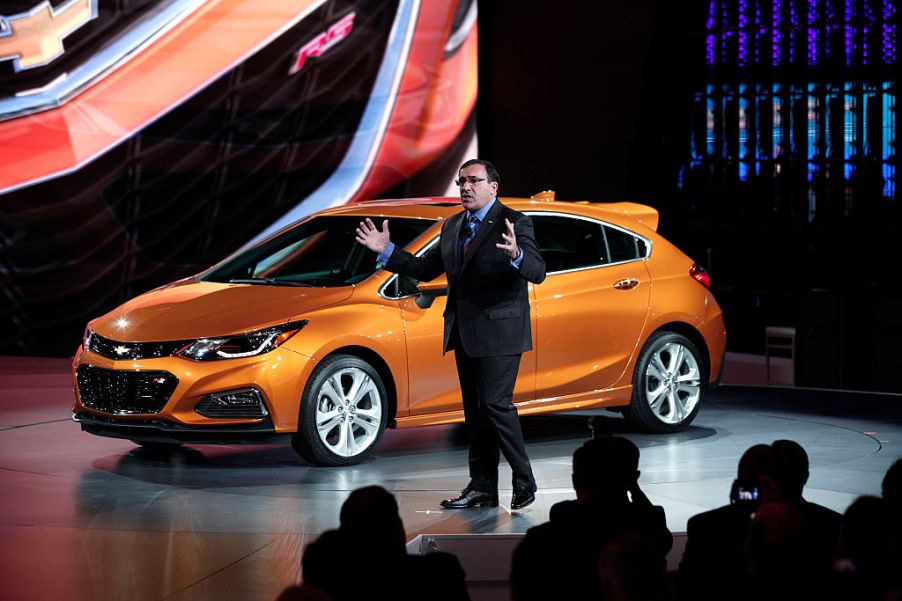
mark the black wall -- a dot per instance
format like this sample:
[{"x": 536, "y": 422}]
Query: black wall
[{"x": 595, "y": 101}]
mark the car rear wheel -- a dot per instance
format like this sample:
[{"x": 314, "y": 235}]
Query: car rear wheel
[
  {"x": 343, "y": 412},
  {"x": 668, "y": 384}
]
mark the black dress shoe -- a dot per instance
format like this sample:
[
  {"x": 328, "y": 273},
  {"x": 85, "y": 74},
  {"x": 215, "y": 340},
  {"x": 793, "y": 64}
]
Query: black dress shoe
[
  {"x": 522, "y": 498},
  {"x": 471, "y": 498}
]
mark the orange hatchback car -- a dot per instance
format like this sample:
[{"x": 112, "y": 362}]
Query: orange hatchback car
[{"x": 302, "y": 336}]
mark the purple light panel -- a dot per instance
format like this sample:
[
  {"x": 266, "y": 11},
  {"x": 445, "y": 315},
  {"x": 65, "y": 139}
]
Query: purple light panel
[
  {"x": 865, "y": 29},
  {"x": 742, "y": 59},
  {"x": 725, "y": 31},
  {"x": 776, "y": 50},
  {"x": 849, "y": 30},
  {"x": 709, "y": 38},
  {"x": 788, "y": 28},
  {"x": 830, "y": 25},
  {"x": 760, "y": 32},
  {"x": 889, "y": 32},
  {"x": 793, "y": 30},
  {"x": 813, "y": 46},
  {"x": 863, "y": 32}
]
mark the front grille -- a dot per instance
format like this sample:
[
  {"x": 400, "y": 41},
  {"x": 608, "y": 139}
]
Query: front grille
[
  {"x": 124, "y": 392},
  {"x": 113, "y": 17},
  {"x": 192, "y": 187},
  {"x": 112, "y": 349}
]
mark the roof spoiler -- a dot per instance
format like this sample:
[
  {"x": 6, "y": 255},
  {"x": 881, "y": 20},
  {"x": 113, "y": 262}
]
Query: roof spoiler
[
  {"x": 644, "y": 214},
  {"x": 543, "y": 196}
]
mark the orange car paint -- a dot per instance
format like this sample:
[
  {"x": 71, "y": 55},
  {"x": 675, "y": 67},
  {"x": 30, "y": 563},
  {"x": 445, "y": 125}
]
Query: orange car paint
[{"x": 587, "y": 334}]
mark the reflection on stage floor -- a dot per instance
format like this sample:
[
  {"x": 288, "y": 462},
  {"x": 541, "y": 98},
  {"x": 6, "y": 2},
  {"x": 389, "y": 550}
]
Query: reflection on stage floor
[{"x": 85, "y": 517}]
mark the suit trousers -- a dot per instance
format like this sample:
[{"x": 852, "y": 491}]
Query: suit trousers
[{"x": 493, "y": 425}]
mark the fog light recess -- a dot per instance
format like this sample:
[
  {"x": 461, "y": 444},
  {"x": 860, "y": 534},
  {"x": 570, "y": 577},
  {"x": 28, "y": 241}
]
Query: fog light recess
[{"x": 243, "y": 402}]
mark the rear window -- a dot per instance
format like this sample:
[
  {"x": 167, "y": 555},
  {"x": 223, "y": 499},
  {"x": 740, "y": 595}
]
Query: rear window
[{"x": 623, "y": 246}]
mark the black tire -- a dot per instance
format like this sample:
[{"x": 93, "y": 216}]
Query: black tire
[
  {"x": 332, "y": 433},
  {"x": 668, "y": 387}
]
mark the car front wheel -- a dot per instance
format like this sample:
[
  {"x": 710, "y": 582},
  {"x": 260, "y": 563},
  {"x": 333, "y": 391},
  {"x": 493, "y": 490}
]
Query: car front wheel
[
  {"x": 343, "y": 412},
  {"x": 668, "y": 384}
]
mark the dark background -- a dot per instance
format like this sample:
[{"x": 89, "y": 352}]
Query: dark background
[{"x": 600, "y": 101}]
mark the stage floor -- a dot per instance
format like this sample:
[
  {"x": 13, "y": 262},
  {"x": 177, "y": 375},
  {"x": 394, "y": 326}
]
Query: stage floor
[{"x": 83, "y": 517}]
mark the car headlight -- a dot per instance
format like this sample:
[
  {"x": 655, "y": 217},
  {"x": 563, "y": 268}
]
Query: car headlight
[
  {"x": 86, "y": 337},
  {"x": 242, "y": 345}
]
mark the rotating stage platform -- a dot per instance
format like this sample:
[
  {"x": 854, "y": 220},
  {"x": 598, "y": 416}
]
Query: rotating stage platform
[{"x": 84, "y": 517}]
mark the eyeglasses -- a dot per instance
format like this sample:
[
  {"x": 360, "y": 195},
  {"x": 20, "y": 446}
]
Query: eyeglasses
[{"x": 472, "y": 179}]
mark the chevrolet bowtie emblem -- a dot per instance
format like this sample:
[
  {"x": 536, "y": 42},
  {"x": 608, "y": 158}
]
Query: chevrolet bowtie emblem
[
  {"x": 121, "y": 350},
  {"x": 35, "y": 38}
]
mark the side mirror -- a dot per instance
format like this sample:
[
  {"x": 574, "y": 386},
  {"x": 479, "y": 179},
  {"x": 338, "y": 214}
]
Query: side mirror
[{"x": 430, "y": 290}]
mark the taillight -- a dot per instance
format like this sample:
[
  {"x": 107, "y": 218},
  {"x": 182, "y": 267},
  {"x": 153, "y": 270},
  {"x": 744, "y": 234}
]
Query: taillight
[{"x": 700, "y": 275}]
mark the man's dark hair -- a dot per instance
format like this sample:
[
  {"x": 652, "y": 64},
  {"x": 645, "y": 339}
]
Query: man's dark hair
[
  {"x": 795, "y": 463},
  {"x": 370, "y": 514},
  {"x": 761, "y": 466},
  {"x": 608, "y": 463},
  {"x": 490, "y": 170}
]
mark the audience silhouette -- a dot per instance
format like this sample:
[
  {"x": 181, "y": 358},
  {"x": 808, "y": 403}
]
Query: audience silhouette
[
  {"x": 714, "y": 561},
  {"x": 820, "y": 525},
  {"x": 869, "y": 567},
  {"x": 559, "y": 559},
  {"x": 630, "y": 568},
  {"x": 611, "y": 542},
  {"x": 366, "y": 557},
  {"x": 775, "y": 545}
]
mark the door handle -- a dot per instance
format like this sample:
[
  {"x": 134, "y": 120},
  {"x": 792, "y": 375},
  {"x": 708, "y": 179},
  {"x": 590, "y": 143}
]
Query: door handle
[{"x": 627, "y": 284}]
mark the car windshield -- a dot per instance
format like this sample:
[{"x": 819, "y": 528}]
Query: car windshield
[{"x": 319, "y": 252}]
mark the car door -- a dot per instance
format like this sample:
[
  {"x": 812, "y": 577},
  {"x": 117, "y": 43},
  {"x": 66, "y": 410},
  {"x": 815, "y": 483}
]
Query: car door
[
  {"x": 432, "y": 378},
  {"x": 592, "y": 306}
]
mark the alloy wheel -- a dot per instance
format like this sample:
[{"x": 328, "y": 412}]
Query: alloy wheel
[
  {"x": 672, "y": 382},
  {"x": 348, "y": 412}
]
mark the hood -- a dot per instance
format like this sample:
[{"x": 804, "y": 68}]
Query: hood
[{"x": 190, "y": 309}]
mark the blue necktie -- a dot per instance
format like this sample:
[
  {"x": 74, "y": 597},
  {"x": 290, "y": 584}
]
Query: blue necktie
[{"x": 472, "y": 225}]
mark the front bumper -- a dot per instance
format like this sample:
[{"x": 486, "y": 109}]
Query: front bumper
[
  {"x": 278, "y": 376},
  {"x": 168, "y": 432}
]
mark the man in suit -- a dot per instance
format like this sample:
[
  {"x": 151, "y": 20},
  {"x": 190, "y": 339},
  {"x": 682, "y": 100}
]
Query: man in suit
[
  {"x": 489, "y": 253},
  {"x": 372, "y": 527},
  {"x": 714, "y": 563},
  {"x": 820, "y": 525},
  {"x": 559, "y": 559}
]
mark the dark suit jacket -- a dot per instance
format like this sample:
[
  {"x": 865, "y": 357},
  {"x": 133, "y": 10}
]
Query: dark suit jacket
[
  {"x": 379, "y": 572},
  {"x": 559, "y": 559},
  {"x": 715, "y": 566},
  {"x": 714, "y": 562},
  {"x": 486, "y": 296}
]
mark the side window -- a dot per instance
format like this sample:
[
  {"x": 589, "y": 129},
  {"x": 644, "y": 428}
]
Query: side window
[
  {"x": 623, "y": 246},
  {"x": 406, "y": 286},
  {"x": 403, "y": 285},
  {"x": 568, "y": 243}
]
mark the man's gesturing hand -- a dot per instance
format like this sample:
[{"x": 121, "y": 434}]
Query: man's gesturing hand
[
  {"x": 509, "y": 246},
  {"x": 372, "y": 238}
]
